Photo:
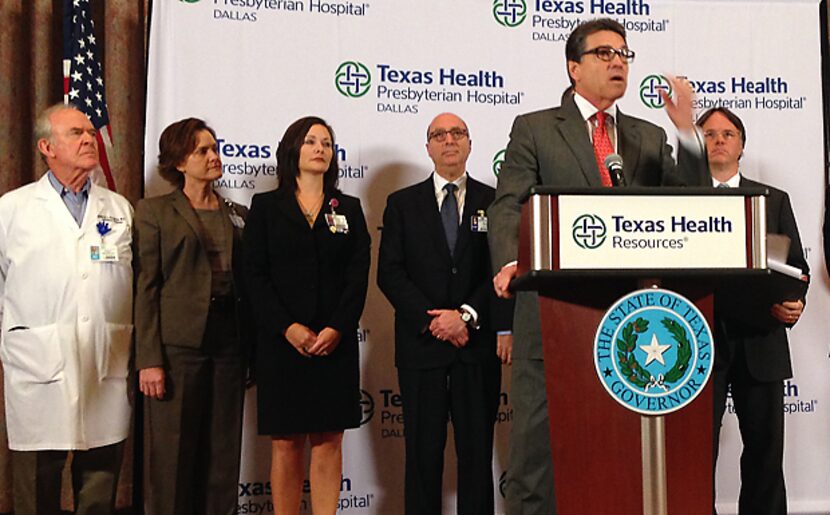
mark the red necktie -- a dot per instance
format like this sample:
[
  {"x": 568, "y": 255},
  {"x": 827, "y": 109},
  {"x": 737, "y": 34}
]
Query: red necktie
[{"x": 602, "y": 146}]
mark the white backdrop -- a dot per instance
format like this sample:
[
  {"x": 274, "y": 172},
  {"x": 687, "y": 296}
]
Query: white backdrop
[{"x": 379, "y": 71}]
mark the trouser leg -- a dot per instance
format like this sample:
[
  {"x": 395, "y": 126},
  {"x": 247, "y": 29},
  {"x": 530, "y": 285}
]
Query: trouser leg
[
  {"x": 760, "y": 409},
  {"x": 224, "y": 437},
  {"x": 95, "y": 479},
  {"x": 175, "y": 428},
  {"x": 37, "y": 481},
  {"x": 425, "y": 409},
  {"x": 529, "y": 489},
  {"x": 474, "y": 394}
]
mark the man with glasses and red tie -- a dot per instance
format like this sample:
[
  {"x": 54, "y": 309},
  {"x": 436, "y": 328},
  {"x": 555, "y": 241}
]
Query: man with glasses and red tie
[
  {"x": 752, "y": 361},
  {"x": 568, "y": 146},
  {"x": 434, "y": 267}
]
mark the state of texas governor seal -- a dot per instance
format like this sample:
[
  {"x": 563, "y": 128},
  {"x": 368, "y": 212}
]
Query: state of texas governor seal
[{"x": 653, "y": 351}]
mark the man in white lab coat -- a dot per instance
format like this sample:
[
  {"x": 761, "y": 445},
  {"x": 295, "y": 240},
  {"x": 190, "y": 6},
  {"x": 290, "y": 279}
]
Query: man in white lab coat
[{"x": 65, "y": 322}]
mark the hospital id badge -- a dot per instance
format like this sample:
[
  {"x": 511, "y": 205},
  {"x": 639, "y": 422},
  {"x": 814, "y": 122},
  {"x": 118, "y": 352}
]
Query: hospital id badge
[
  {"x": 103, "y": 253},
  {"x": 478, "y": 223},
  {"x": 337, "y": 224}
]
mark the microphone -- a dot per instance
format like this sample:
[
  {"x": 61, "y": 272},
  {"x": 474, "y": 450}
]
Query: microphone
[{"x": 614, "y": 164}]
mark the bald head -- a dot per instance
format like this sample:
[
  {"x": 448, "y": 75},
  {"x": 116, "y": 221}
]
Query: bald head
[{"x": 448, "y": 145}]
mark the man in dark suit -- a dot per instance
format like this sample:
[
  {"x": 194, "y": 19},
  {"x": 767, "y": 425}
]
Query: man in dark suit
[
  {"x": 567, "y": 146},
  {"x": 434, "y": 267},
  {"x": 753, "y": 361}
]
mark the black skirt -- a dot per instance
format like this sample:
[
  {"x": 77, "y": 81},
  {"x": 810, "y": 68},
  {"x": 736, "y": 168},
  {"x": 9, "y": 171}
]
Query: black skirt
[{"x": 296, "y": 394}]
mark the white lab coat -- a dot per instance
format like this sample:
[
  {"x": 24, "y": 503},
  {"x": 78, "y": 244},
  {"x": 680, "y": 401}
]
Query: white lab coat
[{"x": 65, "y": 321}]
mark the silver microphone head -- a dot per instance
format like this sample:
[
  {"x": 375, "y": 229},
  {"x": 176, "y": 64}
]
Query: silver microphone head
[{"x": 613, "y": 162}]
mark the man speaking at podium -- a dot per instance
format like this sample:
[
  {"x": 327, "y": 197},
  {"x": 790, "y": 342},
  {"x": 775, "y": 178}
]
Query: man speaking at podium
[
  {"x": 753, "y": 362},
  {"x": 568, "y": 146}
]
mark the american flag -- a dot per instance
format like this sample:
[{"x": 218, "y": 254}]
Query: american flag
[{"x": 83, "y": 77}]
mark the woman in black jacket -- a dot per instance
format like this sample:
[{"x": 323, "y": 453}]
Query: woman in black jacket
[{"x": 307, "y": 266}]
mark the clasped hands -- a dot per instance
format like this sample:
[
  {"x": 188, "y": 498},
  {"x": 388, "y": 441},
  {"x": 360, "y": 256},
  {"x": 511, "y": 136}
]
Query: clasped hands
[
  {"x": 446, "y": 325},
  {"x": 308, "y": 343}
]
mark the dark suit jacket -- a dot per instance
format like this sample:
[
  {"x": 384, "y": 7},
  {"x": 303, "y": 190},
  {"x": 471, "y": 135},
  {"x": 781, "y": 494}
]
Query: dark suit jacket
[
  {"x": 826, "y": 230},
  {"x": 767, "y": 351},
  {"x": 312, "y": 277},
  {"x": 552, "y": 148},
  {"x": 173, "y": 275},
  {"x": 416, "y": 272}
]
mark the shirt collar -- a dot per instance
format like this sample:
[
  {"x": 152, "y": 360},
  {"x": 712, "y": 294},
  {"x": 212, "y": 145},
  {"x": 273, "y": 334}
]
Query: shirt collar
[
  {"x": 63, "y": 190},
  {"x": 733, "y": 182},
  {"x": 587, "y": 109},
  {"x": 439, "y": 182}
]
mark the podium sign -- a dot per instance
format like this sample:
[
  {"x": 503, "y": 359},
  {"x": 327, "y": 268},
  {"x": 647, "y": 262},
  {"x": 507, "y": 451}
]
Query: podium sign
[{"x": 626, "y": 230}]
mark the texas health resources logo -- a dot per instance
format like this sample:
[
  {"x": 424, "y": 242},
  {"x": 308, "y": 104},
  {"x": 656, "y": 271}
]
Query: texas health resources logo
[
  {"x": 589, "y": 231},
  {"x": 653, "y": 351}
]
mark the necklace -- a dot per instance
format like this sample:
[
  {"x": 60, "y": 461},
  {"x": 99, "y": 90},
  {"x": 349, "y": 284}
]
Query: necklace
[{"x": 310, "y": 214}]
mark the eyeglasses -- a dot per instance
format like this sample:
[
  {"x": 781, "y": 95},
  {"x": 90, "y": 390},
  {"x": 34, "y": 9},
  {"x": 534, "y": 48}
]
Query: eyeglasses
[
  {"x": 728, "y": 135},
  {"x": 607, "y": 53},
  {"x": 441, "y": 134}
]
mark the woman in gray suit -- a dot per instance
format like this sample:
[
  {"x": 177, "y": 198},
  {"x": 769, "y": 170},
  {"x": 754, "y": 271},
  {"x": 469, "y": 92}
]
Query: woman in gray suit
[{"x": 189, "y": 349}]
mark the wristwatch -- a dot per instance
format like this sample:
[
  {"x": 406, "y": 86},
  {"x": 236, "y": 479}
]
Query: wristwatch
[{"x": 466, "y": 317}]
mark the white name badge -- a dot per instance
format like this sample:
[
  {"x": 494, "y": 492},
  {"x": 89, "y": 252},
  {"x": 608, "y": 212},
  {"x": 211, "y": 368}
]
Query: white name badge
[
  {"x": 337, "y": 223},
  {"x": 103, "y": 253},
  {"x": 478, "y": 223}
]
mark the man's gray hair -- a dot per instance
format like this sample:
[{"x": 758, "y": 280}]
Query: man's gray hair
[{"x": 43, "y": 125}]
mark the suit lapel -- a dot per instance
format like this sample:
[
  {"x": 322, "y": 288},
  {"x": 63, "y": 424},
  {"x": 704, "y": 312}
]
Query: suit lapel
[
  {"x": 325, "y": 209},
  {"x": 227, "y": 227},
  {"x": 575, "y": 134},
  {"x": 182, "y": 206},
  {"x": 288, "y": 206},
  {"x": 434, "y": 225},
  {"x": 471, "y": 201},
  {"x": 628, "y": 138}
]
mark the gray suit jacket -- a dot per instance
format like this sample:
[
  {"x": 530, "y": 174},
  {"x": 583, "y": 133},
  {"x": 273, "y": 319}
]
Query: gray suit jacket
[
  {"x": 173, "y": 275},
  {"x": 552, "y": 148}
]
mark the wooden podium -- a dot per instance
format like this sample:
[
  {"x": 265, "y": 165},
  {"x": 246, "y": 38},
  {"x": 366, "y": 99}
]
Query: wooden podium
[{"x": 608, "y": 459}]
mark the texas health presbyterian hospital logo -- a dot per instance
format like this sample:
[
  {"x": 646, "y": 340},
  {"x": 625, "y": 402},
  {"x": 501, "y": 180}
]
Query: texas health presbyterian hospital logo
[
  {"x": 353, "y": 79},
  {"x": 650, "y": 89},
  {"x": 510, "y": 13}
]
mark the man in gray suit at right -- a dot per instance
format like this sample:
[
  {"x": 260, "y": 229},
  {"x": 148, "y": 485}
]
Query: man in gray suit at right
[{"x": 567, "y": 146}]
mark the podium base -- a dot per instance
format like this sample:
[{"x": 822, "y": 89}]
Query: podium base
[{"x": 597, "y": 462}]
